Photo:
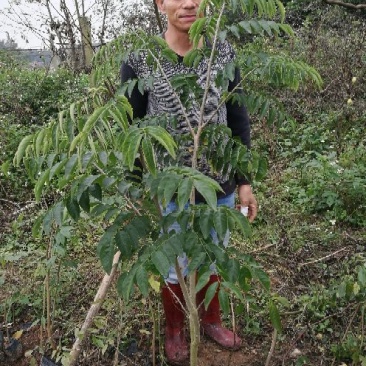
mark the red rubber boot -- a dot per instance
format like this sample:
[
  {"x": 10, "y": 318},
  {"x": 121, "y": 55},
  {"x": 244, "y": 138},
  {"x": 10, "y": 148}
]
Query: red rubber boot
[
  {"x": 176, "y": 346},
  {"x": 211, "y": 320}
]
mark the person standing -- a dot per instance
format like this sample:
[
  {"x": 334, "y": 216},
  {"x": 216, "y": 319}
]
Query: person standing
[{"x": 158, "y": 99}]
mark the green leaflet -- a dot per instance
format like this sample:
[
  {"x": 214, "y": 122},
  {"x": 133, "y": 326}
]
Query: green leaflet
[
  {"x": 203, "y": 280},
  {"x": 84, "y": 201},
  {"x": 161, "y": 262},
  {"x": 234, "y": 289},
  {"x": 149, "y": 155},
  {"x": 89, "y": 124},
  {"x": 196, "y": 261},
  {"x": 262, "y": 277},
  {"x": 233, "y": 270},
  {"x": 261, "y": 169},
  {"x": 21, "y": 149},
  {"x": 131, "y": 145},
  {"x": 85, "y": 183},
  {"x": 224, "y": 301},
  {"x": 220, "y": 255},
  {"x": 207, "y": 190},
  {"x": 170, "y": 187},
  {"x": 163, "y": 137},
  {"x": 41, "y": 182},
  {"x": 206, "y": 222},
  {"x": 124, "y": 244},
  {"x": 281, "y": 10},
  {"x": 119, "y": 117},
  {"x": 210, "y": 293},
  {"x": 39, "y": 141},
  {"x": 128, "y": 237},
  {"x": 73, "y": 207},
  {"x": 184, "y": 191},
  {"x": 142, "y": 281},
  {"x": 106, "y": 249},
  {"x": 195, "y": 31},
  {"x": 220, "y": 221},
  {"x": 361, "y": 276},
  {"x": 125, "y": 283},
  {"x": 70, "y": 165},
  {"x": 242, "y": 222},
  {"x": 275, "y": 316}
]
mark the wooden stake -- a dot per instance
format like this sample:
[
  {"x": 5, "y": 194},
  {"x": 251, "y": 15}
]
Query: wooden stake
[{"x": 93, "y": 311}]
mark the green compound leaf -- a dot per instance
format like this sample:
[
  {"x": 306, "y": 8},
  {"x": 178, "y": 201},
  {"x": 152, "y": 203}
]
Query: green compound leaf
[{"x": 275, "y": 316}]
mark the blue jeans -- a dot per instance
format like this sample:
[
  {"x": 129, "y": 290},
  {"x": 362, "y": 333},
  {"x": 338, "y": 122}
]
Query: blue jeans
[{"x": 228, "y": 201}]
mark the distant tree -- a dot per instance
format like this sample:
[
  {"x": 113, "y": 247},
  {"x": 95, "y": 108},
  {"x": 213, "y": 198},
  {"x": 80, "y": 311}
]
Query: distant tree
[
  {"x": 75, "y": 31},
  {"x": 8, "y": 44}
]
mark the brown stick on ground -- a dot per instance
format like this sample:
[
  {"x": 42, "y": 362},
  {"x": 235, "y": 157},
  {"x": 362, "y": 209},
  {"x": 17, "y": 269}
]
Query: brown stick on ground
[{"x": 93, "y": 311}]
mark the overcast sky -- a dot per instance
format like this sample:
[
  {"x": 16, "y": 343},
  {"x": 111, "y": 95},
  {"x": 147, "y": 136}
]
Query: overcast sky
[
  {"x": 36, "y": 14},
  {"x": 15, "y": 31},
  {"x": 36, "y": 17}
]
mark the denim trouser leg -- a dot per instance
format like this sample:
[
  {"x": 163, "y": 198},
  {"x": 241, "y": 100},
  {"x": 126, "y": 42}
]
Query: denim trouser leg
[{"x": 228, "y": 201}]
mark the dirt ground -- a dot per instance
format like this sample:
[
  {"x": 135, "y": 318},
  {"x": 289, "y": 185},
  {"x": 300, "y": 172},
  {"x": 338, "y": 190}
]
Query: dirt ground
[
  {"x": 209, "y": 355},
  {"x": 253, "y": 353}
]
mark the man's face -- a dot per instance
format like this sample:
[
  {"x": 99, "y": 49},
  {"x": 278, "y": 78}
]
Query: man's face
[{"x": 180, "y": 13}]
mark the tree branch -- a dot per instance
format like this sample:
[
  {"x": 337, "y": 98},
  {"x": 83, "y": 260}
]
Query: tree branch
[{"x": 346, "y": 5}]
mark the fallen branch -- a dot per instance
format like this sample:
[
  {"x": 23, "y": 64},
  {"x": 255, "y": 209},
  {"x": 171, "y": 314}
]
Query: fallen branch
[
  {"x": 10, "y": 202},
  {"x": 261, "y": 248},
  {"x": 273, "y": 344},
  {"x": 346, "y": 5},
  {"x": 322, "y": 258},
  {"x": 93, "y": 311}
]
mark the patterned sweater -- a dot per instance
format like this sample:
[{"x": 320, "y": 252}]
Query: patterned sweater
[{"x": 158, "y": 99}]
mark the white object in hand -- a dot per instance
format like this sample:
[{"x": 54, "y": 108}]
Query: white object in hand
[{"x": 244, "y": 210}]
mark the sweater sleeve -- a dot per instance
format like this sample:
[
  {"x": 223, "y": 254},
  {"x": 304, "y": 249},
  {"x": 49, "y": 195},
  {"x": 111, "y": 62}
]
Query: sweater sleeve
[
  {"x": 238, "y": 119},
  {"x": 137, "y": 100}
]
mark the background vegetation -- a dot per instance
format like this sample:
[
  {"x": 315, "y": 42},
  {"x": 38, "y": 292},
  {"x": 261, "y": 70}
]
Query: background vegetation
[{"x": 309, "y": 236}]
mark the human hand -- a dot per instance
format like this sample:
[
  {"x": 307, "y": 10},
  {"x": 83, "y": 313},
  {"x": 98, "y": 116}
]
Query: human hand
[{"x": 247, "y": 199}]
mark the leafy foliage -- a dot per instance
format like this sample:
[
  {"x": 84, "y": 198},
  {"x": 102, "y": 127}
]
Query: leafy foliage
[
  {"x": 89, "y": 152},
  {"x": 32, "y": 96}
]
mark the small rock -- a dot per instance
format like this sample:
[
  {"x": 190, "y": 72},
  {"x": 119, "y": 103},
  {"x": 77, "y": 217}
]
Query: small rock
[
  {"x": 46, "y": 362},
  {"x": 2, "y": 356},
  {"x": 14, "y": 350},
  {"x": 295, "y": 353}
]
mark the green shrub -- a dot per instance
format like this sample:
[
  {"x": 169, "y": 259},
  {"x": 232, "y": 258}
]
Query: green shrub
[
  {"x": 28, "y": 98},
  {"x": 32, "y": 96},
  {"x": 331, "y": 185}
]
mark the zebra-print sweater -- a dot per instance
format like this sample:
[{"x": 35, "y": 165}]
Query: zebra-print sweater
[{"x": 158, "y": 99}]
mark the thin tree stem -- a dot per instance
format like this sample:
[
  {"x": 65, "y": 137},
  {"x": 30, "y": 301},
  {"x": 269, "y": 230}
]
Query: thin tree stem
[{"x": 273, "y": 344}]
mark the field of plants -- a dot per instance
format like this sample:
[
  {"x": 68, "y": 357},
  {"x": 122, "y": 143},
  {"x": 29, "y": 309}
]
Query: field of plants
[{"x": 296, "y": 278}]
